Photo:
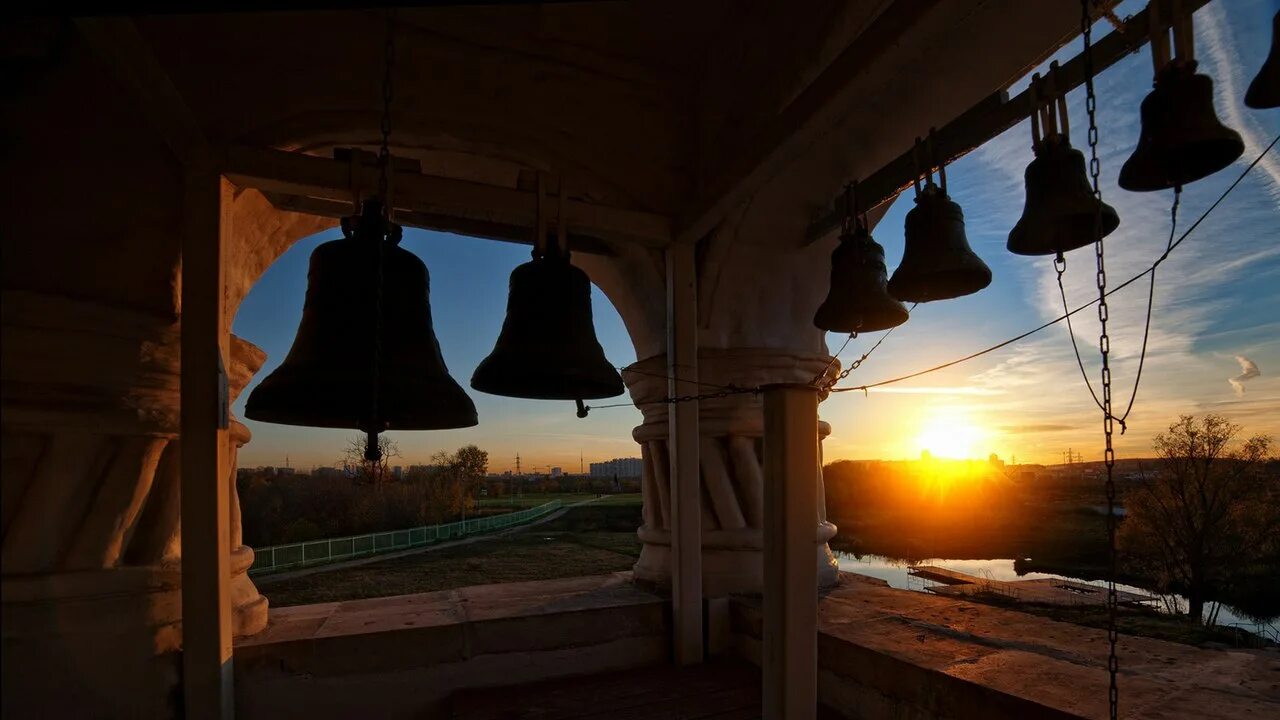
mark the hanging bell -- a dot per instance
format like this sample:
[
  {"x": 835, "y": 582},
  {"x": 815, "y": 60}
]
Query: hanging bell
[
  {"x": 1060, "y": 209},
  {"x": 547, "y": 349},
  {"x": 858, "y": 300},
  {"x": 328, "y": 377},
  {"x": 937, "y": 262},
  {"x": 1182, "y": 139},
  {"x": 1264, "y": 91}
]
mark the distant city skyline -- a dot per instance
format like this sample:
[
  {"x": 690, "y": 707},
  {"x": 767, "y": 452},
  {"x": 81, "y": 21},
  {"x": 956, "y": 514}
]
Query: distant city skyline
[{"x": 1214, "y": 344}]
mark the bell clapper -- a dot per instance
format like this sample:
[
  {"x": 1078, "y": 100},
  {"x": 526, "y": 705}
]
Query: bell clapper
[
  {"x": 372, "y": 450},
  {"x": 583, "y": 409}
]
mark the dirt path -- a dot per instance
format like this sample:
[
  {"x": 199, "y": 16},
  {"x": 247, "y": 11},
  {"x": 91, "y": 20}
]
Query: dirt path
[{"x": 265, "y": 580}]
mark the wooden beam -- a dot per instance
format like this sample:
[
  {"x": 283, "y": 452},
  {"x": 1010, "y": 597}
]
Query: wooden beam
[
  {"x": 444, "y": 223},
  {"x": 205, "y": 497},
  {"x": 789, "y": 652},
  {"x": 295, "y": 174},
  {"x": 801, "y": 122},
  {"x": 991, "y": 117},
  {"x": 683, "y": 448}
]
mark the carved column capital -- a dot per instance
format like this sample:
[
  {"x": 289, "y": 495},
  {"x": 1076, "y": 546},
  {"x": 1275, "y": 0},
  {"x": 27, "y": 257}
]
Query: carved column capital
[{"x": 731, "y": 465}]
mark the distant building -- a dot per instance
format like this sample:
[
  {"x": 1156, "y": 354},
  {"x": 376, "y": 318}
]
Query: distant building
[
  {"x": 284, "y": 471},
  {"x": 397, "y": 472},
  {"x": 556, "y": 472},
  {"x": 618, "y": 467}
]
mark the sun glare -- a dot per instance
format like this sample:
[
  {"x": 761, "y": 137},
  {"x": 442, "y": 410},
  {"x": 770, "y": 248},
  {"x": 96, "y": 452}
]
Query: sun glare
[{"x": 951, "y": 435}]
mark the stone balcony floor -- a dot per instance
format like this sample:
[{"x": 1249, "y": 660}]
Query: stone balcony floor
[{"x": 555, "y": 648}]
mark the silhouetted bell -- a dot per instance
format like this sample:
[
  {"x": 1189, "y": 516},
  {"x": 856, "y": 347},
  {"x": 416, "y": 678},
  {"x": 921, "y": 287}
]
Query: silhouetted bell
[
  {"x": 1060, "y": 209},
  {"x": 937, "y": 263},
  {"x": 327, "y": 378},
  {"x": 858, "y": 300},
  {"x": 547, "y": 349},
  {"x": 1182, "y": 139},
  {"x": 1264, "y": 91}
]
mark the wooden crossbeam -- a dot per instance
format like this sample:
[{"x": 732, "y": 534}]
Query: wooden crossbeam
[
  {"x": 991, "y": 117},
  {"x": 431, "y": 221},
  {"x": 438, "y": 202}
]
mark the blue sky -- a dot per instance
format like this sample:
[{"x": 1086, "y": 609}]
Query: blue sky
[{"x": 1218, "y": 296}]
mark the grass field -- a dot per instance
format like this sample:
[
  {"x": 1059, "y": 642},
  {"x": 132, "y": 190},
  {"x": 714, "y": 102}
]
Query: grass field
[{"x": 588, "y": 540}]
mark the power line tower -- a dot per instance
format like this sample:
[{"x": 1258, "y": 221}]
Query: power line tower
[
  {"x": 580, "y": 465},
  {"x": 518, "y": 463}
]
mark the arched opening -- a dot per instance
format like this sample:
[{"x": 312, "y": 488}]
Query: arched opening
[{"x": 526, "y": 506}]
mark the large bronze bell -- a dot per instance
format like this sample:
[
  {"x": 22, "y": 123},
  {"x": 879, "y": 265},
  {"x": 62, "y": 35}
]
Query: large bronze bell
[
  {"x": 1182, "y": 139},
  {"x": 937, "y": 262},
  {"x": 1264, "y": 91},
  {"x": 327, "y": 379},
  {"x": 547, "y": 349},
  {"x": 1060, "y": 209},
  {"x": 858, "y": 300}
]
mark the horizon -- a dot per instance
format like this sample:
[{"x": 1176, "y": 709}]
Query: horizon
[{"x": 1211, "y": 306}]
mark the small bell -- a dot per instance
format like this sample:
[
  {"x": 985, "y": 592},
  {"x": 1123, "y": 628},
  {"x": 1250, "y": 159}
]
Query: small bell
[
  {"x": 937, "y": 262},
  {"x": 548, "y": 349},
  {"x": 1264, "y": 91},
  {"x": 1060, "y": 209},
  {"x": 327, "y": 379},
  {"x": 858, "y": 300}
]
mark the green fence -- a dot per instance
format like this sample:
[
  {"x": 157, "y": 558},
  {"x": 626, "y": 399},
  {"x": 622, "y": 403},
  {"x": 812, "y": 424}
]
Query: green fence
[{"x": 321, "y": 552}]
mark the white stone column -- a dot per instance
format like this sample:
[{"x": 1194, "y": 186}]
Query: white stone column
[
  {"x": 91, "y": 552},
  {"x": 731, "y": 473}
]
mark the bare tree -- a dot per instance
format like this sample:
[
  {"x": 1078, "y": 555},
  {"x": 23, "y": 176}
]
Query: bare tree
[
  {"x": 363, "y": 470},
  {"x": 1207, "y": 514}
]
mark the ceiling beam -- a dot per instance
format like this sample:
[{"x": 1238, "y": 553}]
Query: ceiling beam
[
  {"x": 991, "y": 117},
  {"x": 443, "y": 203},
  {"x": 802, "y": 122}
]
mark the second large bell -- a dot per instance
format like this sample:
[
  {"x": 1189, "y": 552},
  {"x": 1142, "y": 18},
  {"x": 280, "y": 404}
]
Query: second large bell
[
  {"x": 547, "y": 349},
  {"x": 328, "y": 378}
]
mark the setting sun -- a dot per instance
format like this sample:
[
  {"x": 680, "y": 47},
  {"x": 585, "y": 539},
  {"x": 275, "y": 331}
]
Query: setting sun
[{"x": 951, "y": 435}]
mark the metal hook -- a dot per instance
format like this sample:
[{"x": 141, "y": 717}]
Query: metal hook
[
  {"x": 933, "y": 158},
  {"x": 915, "y": 159},
  {"x": 1033, "y": 93},
  {"x": 562, "y": 231},
  {"x": 540, "y": 221}
]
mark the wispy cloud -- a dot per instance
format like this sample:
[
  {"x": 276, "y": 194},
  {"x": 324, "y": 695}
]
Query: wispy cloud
[{"x": 1248, "y": 371}]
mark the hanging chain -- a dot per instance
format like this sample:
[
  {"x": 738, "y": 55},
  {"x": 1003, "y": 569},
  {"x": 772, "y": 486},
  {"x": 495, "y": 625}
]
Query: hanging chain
[
  {"x": 388, "y": 94},
  {"x": 386, "y": 232},
  {"x": 1104, "y": 347}
]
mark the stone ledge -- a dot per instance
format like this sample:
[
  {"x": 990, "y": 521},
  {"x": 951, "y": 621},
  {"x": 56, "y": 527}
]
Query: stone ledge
[
  {"x": 403, "y": 656},
  {"x": 895, "y": 653}
]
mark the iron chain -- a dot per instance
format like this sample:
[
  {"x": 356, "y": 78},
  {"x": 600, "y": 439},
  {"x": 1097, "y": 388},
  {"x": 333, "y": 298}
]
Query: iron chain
[
  {"x": 1104, "y": 347},
  {"x": 385, "y": 233},
  {"x": 388, "y": 94}
]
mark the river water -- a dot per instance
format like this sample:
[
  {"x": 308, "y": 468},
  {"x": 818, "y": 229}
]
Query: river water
[{"x": 895, "y": 572}]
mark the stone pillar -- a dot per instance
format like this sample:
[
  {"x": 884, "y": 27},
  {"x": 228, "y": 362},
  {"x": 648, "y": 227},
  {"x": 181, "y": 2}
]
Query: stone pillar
[
  {"x": 732, "y": 430},
  {"x": 91, "y": 550}
]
